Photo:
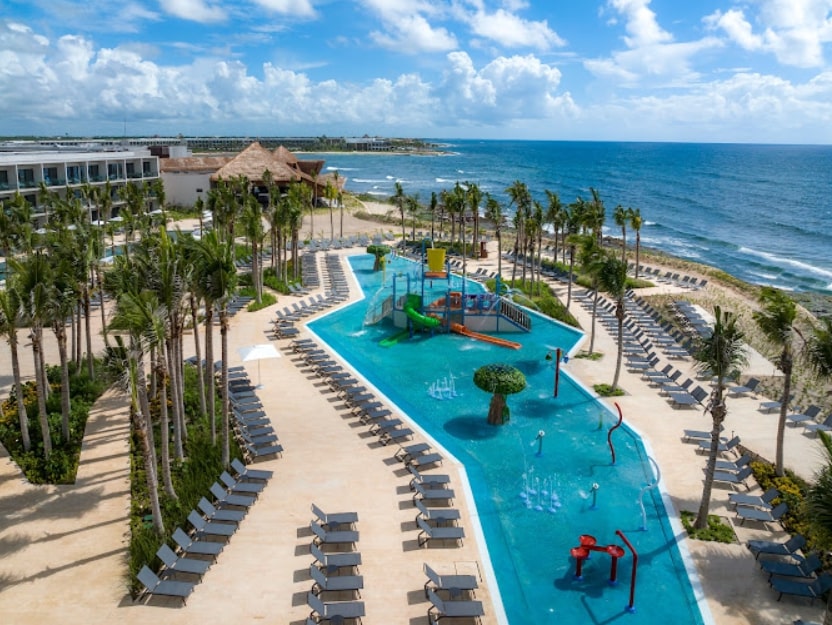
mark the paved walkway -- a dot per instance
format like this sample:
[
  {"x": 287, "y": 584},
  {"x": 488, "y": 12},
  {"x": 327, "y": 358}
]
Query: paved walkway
[{"x": 62, "y": 548}]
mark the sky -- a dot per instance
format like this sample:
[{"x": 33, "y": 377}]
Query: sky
[{"x": 622, "y": 70}]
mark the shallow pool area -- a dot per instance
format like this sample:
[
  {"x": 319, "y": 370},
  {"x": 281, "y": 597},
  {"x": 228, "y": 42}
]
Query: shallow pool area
[{"x": 534, "y": 500}]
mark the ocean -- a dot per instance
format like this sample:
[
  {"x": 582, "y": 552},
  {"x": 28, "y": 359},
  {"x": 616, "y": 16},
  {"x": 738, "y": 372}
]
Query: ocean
[{"x": 762, "y": 213}]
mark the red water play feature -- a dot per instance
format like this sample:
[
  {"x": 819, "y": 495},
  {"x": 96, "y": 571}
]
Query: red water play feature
[{"x": 588, "y": 544}]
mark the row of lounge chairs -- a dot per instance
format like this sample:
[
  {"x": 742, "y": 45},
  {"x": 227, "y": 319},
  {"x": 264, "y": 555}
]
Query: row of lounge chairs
[
  {"x": 211, "y": 527},
  {"x": 789, "y": 572},
  {"x": 252, "y": 427},
  {"x": 668, "y": 277},
  {"x": 334, "y": 568}
]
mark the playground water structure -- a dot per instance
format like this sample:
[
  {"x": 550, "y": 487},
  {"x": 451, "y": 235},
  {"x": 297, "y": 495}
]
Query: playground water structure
[{"x": 534, "y": 497}]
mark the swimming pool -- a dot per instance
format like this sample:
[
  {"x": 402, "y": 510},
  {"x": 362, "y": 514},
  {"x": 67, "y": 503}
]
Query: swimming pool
[{"x": 528, "y": 534}]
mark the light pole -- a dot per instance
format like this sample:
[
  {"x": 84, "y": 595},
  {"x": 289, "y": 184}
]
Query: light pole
[{"x": 557, "y": 358}]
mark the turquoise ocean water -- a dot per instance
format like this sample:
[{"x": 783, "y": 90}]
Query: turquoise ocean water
[
  {"x": 760, "y": 212},
  {"x": 529, "y": 539}
]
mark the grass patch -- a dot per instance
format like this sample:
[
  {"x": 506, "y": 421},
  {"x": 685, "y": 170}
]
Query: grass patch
[
  {"x": 593, "y": 356},
  {"x": 717, "y": 530},
  {"x": 268, "y": 299},
  {"x": 606, "y": 390}
]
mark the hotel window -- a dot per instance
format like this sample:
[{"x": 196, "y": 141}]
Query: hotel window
[
  {"x": 95, "y": 175},
  {"x": 73, "y": 174},
  {"x": 4, "y": 180},
  {"x": 146, "y": 168},
  {"x": 26, "y": 178},
  {"x": 50, "y": 175}
]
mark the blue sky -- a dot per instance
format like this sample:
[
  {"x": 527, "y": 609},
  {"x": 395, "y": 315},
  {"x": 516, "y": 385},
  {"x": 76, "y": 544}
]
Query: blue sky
[{"x": 642, "y": 70}]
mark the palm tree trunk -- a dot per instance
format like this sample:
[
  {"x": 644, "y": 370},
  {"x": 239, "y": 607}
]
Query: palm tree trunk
[
  {"x": 619, "y": 315},
  {"x": 638, "y": 250},
  {"x": 718, "y": 415},
  {"x": 103, "y": 312},
  {"x": 209, "y": 370},
  {"x": 75, "y": 339},
  {"x": 60, "y": 334},
  {"x": 144, "y": 426},
  {"x": 40, "y": 383},
  {"x": 164, "y": 429},
  {"x": 200, "y": 380},
  {"x": 226, "y": 450},
  {"x": 499, "y": 254},
  {"x": 569, "y": 283},
  {"x": 592, "y": 325},
  {"x": 23, "y": 418},
  {"x": 170, "y": 357},
  {"x": 88, "y": 332},
  {"x": 786, "y": 363}
]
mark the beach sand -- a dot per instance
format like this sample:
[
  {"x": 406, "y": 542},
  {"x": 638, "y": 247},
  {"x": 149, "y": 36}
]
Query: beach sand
[{"x": 62, "y": 548}]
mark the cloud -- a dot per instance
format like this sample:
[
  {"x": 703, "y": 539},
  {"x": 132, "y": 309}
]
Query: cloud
[
  {"x": 641, "y": 23},
  {"x": 407, "y": 29},
  {"x": 194, "y": 10},
  {"x": 511, "y": 31},
  {"x": 293, "y": 8},
  {"x": 795, "y": 31}
]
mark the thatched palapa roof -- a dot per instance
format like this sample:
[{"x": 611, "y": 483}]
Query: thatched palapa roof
[{"x": 254, "y": 161}]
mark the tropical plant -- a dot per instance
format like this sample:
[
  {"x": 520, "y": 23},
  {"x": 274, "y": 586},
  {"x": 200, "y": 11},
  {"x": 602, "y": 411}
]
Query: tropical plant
[
  {"x": 776, "y": 319},
  {"x": 818, "y": 502},
  {"x": 612, "y": 279},
  {"x": 719, "y": 355},
  {"x": 621, "y": 216},
  {"x": 399, "y": 200},
  {"x": 635, "y": 223},
  {"x": 379, "y": 251},
  {"x": 494, "y": 214},
  {"x": 10, "y": 313},
  {"x": 500, "y": 380}
]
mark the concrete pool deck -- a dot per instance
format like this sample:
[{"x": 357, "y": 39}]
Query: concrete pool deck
[{"x": 62, "y": 548}]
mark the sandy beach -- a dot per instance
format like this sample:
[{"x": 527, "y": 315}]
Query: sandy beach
[{"x": 62, "y": 548}]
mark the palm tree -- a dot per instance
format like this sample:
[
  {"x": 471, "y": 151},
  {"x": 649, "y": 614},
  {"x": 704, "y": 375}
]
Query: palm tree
[
  {"x": 776, "y": 319},
  {"x": 330, "y": 193},
  {"x": 399, "y": 201},
  {"x": 9, "y": 319},
  {"x": 339, "y": 197},
  {"x": 473, "y": 195},
  {"x": 575, "y": 214},
  {"x": 636, "y": 223},
  {"x": 612, "y": 279},
  {"x": 494, "y": 214},
  {"x": 434, "y": 202},
  {"x": 719, "y": 354},
  {"x": 32, "y": 281},
  {"x": 596, "y": 215},
  {"x": 818, "y": 349},
  {"x": 592, "y": 259},
  {"x": 521, "y": 199},
  {"x": 621, "y": 216},
  {"x": 554, "y": 215},
  {"x": 412, "y": 203}
]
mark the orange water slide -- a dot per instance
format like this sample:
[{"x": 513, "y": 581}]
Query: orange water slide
[{"x": 486, "y": 338}]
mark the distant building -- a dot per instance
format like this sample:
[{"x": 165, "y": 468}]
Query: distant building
[{"x": 67, "y": 169}]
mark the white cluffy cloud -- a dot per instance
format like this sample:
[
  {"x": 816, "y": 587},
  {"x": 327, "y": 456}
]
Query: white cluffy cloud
[
  {"x": 195, "y": 10},
  {"x": 793, "y": 30},
  {"x": 511, "y": 31},
  {"x": 407, "y": 26}
]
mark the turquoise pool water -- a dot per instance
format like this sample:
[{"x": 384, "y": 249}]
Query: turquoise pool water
[{"x": 529, "y": 538}]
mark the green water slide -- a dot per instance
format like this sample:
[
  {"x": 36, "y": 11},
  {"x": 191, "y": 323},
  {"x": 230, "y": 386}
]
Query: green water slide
[{"x": 411, "y": 306}]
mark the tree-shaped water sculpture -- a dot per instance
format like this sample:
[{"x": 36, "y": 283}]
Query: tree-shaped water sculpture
[
  {"x": 500, "y": 380},
  {"x": 379, "y": 251}
]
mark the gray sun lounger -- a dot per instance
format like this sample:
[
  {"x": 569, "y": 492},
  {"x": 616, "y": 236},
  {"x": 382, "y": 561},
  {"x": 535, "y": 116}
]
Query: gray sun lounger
[
  {"x": 436, "y": 515},
  {"x": 421, "y": 460},
  {"x": 241, "y": 488},
  {"x": 223, "y": 515},
  {"x": 758, "y": 501},
  {"x": 430, "y": 480},
  {"x": 722, "y": 448},
  {"x": 799, "y": 418},
  {"x": 451, "y": 583},
  {"x": 733, "y": 477},
  {"x": 246, "y": 473},
  {"x": 334, "y": 561},
  {"x": 334, "y": 583},
  {"x": 180, "y": 564},
  {"x": 432, "y": 494},
  {"x": 334, "y": 519},
  {"x": 155, "y": 586},
  {"x": 761, "y": 515},
  {"x": 801, "y": 567},
  {"x": 196, "y": 547},
  {"x": 334, "y": 610},
  {"x": 224, "y": 498},
  {"x": 452, "y": 609},
  {"x": 441, "y": 532},
  {"x": 810, "y": 589},
  {"x": 733, "y": 465},
  {"x": 769, "y": 547},
  {"x": 394, "y": 435},
  {"x": 329, "y": 537},
  {"x": 205, "y": 528},
  {"x": 410, "y": 450}
]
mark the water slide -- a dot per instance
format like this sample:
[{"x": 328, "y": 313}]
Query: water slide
[
  {"x": 486, "y": 338},
  {"x": 394, "y": 338},
  {"x": 413, "y": 302}
]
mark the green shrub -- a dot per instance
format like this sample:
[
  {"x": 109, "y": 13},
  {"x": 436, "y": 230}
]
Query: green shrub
[
  {"x": 266, "y": 300},
  {"x": 716, "y": 531},
  {"x": 606, "y": 390}
]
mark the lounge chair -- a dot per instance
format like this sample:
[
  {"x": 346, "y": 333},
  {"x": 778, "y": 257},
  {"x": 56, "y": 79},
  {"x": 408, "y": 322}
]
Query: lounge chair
[
  {"x": 801, "y": 567},
  {"x": 190, "y": 545},
  {"x": 403, "y": 453},
  {"x": 733, "y": 465},
  {"x": 696, "y": 436},
  {"x": 429, "y": 480},
  {"x": 155, "y": 586},
  {"x": 220, "y": 514},
  {"x": 436, "y": 515},
  {"x": 732, "y": 477},
  {"x": 334, "y": 561},
  {"x": 180, "y": 564},
  {"x": 428, "y": 532},
  {"x": 743, "y": 390},
  {"x": 722, "y": 448},
  {"x": 814, "y": 427},
  {"x": 334, "y": 583},
  {"x": 240, "y": 488},
  {"x": 801, "y": 417},
  {"x": 334, "y": 519},
  {"x": 432, "y": 494},
  {"x": 330, "y": 537},
  {"x": 761, "y": 515},
  {"x": 225, "y": 498},
  {"x": 424, "y": 459},
  {"x": 334, "y": 610},
  {"x": 787, "y": 548},
  {"x": 811, "y": 589},
  {"x": 395, "y": 435},
  {"x": 246, "y": 473},
  {"x": 757, "y": 501},
  {"x": 452, "y": 609},
  {"x": 454, "y": 584},
  {"x": 205, "y": 528}
]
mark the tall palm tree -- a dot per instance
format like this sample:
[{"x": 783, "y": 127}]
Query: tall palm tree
[
  {"x": 575, "y": 215},
  {"x": 621, "y": 216},
  {"x": 592, "y": 259},
  {"x": 719, "y": 354},
  {"x": 635, "y": 223},
  {"x": 339, "y": 197},
  {"x": 399, "y": 200},
  {"x": 554, "y": 215},
  {"x": 10, "y": 314},
  {"x": 818, "y": 349},
  {"x": 596, "y": 215},
  {"x": 494, "y": 214},
  {"x": 776, "y": 319},
  {"x": 473, "y": 196},
  {"x": 521, "y": 199},
  {"x": 331, "y": 193},
  {"x": 413, "y": 208},
  {"x": 434, "y": 202},
  {"x": 818, "y": 502},
  {"x": 612, "y": 279}
]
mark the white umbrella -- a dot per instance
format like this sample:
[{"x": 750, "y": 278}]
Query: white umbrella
[
  {"x": 116, "y": 219},
  {"x": 258, "y": 353},
  {"x": 98, "y": 223}
]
